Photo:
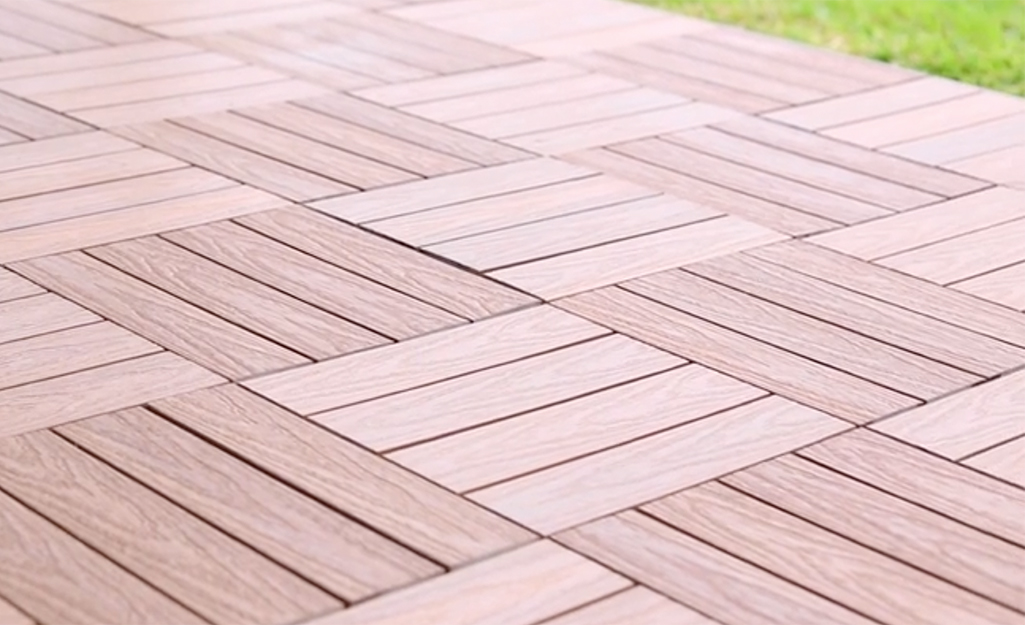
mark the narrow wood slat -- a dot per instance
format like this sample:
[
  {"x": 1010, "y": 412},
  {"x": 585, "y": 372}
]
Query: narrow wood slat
[
  {"x": 381, "y": 260},
  {"x": 43, "y": 32},
  {"x": 771, "y": 215},
  {"x": 39, "y": 314},
  {"x": 722, "y": 586},
  {"x": 238, "y": 299},
  {"x": 964, "y": 256},
  {"x": 454, "y": 189},
  {"x": 491, "y": 394},
  {"x": 841, "y": 154},
  {"x": 68, "y": 351},
  {"x": 635, "y": 606},
  {"x": 1005, "y": 286},
  {"x": 582, "y": 490},
  {"x": 58, "y": 149},
  {"x": 891, "y": 235},
  {"x": 842, "y": 570},
  {"x": 991, "y": 136},
  {"x": 507, "y": 449},
  {"x": 13, "y": 615},
  {"x": 136, "y": 221},
  {"x": 14, "y": 48},
  {"x": 909, "y": 473},
  {"x": 13, "y": 286},
  {"x": 880, "y": 320},
  {"x": 809, "y": 171},
  {"x": 657, "y": 27},
  {"x": 607, "y": 264},
  {"x": 57, "y": 579},
  {"x": 755, "y": 362},
  {"x": 155, "y": 12},
  {"x": 938, "y": 545},
  {"x": 425, "y": 360},
  {"x": 8, "y": 137},
  {"x": 998, "y": 167},
  {"x": 91, "y": 59},
  {"x": 520, "y": 587},
  {"x": 83, "y": 22},
  {"x": 495, "y": 213},
  {"x": 209, "y": 572},
  {"x": 887, "y": 366},
  {"x": 890, "y": 286},
  {"x": 248, "y": 504},
  {"x": 166, "y": 320},
  {"x": 326, "y": 286},
  {"x": 1005, "y": 461},
  {"x": 407, "y": 508},
  {"x": 249, "y": 19},
  {"x": 35, "y": 122},
  {"x": 434, "y": 11},
  {"x": 766, "y": 186},
  {"x": 576, "y": 231}
]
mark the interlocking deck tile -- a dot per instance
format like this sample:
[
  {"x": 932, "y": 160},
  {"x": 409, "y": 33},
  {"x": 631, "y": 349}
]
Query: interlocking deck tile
[{"x": 1005, "y": 461}]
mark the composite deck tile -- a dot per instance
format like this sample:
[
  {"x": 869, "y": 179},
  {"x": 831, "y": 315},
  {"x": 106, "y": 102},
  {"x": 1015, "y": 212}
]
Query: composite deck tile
[
  {"x": 1005, "y": 461},
  {"x": 71, "y": 19},
  {"x": 1004, "y": 286},
  {"x": 13, "y": 286},
  {"x": 40, "y": 314},
  {"x": 998, "y": 167},
  {"x": 956, "y": 145},
  {"x": 635, "y": 606},
  {"x": 59, "y": 149},
  {"x": 56, "y": 65}
]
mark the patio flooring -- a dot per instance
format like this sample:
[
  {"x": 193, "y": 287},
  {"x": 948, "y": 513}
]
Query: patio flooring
[{"x": 500, "y": 312}]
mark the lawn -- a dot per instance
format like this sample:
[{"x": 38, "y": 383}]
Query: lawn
[{"x": 975, "y": 41}]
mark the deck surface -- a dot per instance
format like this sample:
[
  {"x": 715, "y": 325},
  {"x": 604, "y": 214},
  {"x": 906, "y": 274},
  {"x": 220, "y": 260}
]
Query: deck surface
[{"x": 500, "y": 312}]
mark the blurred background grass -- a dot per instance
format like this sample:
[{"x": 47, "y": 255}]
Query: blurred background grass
[{"x": 976, "y": 41}]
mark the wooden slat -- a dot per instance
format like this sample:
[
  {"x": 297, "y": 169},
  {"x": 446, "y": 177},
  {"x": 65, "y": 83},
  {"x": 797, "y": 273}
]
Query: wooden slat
[
  {"x": 890, "y": 367},
  {"x": 1006, "y": 461},
  {"x": 248, "y": 504},
  {"x": 657, "y": 27},
  {"x": 873, "y": 103},
  {"x": 166, "y": 320},
  {"x": 841, "y": 570},
  {"x": 504, "y": 211},
  {"x": 34, "y": 122},
  {"x": 13, "y": 615},
  {"x": 841, "y": 154},
  {"x": 771, "y": 215},
  {"x": 431, "y": 520},
  {"x": 44, "y": 33},
  {"x": 13, "y": 286},
  {"x": 927, "y": 225},
  {"x": 725, "y": 588},
  {"x": 635, "y": 606},
  {"x": 449, "y": 190},
  {"x": 565, "y": 495},
  {"x": 890, "y": 286},
  {"x": 962, "y": 555},
  {"x": 998, "y": 166},
  {"x": 491, "y": 394},
  {"x": 87, "y": 24},
  {"x": 975, "y": 140},
  {"x": 507, "y": 449},
  {"x": 209, "y": 572},
  {"x": 749, "y": 180},
  {"x": 381, "y": 260},
  {"x": 572, "y": 232},
  {"x": 68, "y": 351},
  {"x": 14, "y": 48},
  {"x": 964, "y": 256},
  {"x": 59, "y": 580},
  {"x": 624, "y": 260},
  {"x": 91, "y": 59},
  {"x": 8, "y": 137},
  {"x": 907, "y": 472},
  {"x": 880, "y": 320},
  {"x": 249, "y": 19},
  {"x": 155, "y": 12},
  {"x": 238, "y": 299},
  {"x": 809, "y": 171},
  {"x": 524, "y": 586},
  {"x": 40, "y": 314},
  {"x": 326, "y": 286},
  {"x": 1005, "y": 286},
  {"x": 137, "y": 221},
  {"x": 59, "y": 149},
  {"x": 425, "y": 360},
  {"x": 755, "y": 362}
]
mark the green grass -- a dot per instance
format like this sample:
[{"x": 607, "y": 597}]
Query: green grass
[{"x": 976, "y": 41}]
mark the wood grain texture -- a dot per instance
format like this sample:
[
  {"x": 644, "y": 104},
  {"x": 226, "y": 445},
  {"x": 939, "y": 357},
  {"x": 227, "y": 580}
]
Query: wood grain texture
[
  {"x": 698, "y": 575},
  {"x": 152, "y": 537},
  {"x": 58, "y": 579},
  {"x": 68, "y": 351},
  {"x": 91, "y": 59},
  {"x": 89, "y": 25},
  {"x": 45, "y": 34},
  {"x": 40, "y": 314},
  {"x": 964, "y": 143},
  {"x": 585, "y": 489},
  {"x": 520, "y": 587},
  {"x": 1006, "y": 461},
  {"x": 249, "y": 304},
  {"x": 965, "y": 423},
  {"x": 344, "y": 293},
  {"x": 755, "y": 362},
  {"x": 403, "y": 506},
  {"x": 491, "y": 394},
  {"x": 841, "y": 570},
  {"x": 540, "y": 439},
  {"x": 425, "y": 360},
  {"x": 1004, "y": 286},
  {"x": 166, "y": 320},
  {"x": 613, "y": 37},
  {"x": 634, "y": 606},
  {"x": 59, "y": 149},
  {"x": 246, "y": 503},
  {"x": 13, "y": 286},
  {"x": 907, "y": 472},
  {"x": 998, "y": 166},
  {"x": 962, "y": 555},
  {"x": 250, "y": 19}
]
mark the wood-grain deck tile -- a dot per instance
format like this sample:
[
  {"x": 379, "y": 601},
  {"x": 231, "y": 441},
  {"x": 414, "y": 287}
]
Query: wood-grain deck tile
[
  {"x": 634, "y": 606},
  {"x": 152, "y": 537},
  {"x": 700, "y": 576},
  {"x": 13, "y": 615},
  {"x": 331, "y": 550},
  {"x": 12, "y": 48},
  {"x": 520, "y": 587},
  {"x": 248, "y": 18},
  {"x": 59, "y": 149},
  {"x": 38, "y": 314},
  {"x": 565, "y": 495},
  {"x": 56, "y": 64},
  {"x": 78, "y": 21},
  {"x": 999, "y": 166},
  {"x": 960, "y": 144},
  {"x": 43, "y": 33},
  {"x": 1005, "y": 461},
  {"x": 403, "y": 506},
  {"x": 58, "y": 579},
  {"x": 1004, "y": 286},
  {"x": 13, "y": 286}
]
